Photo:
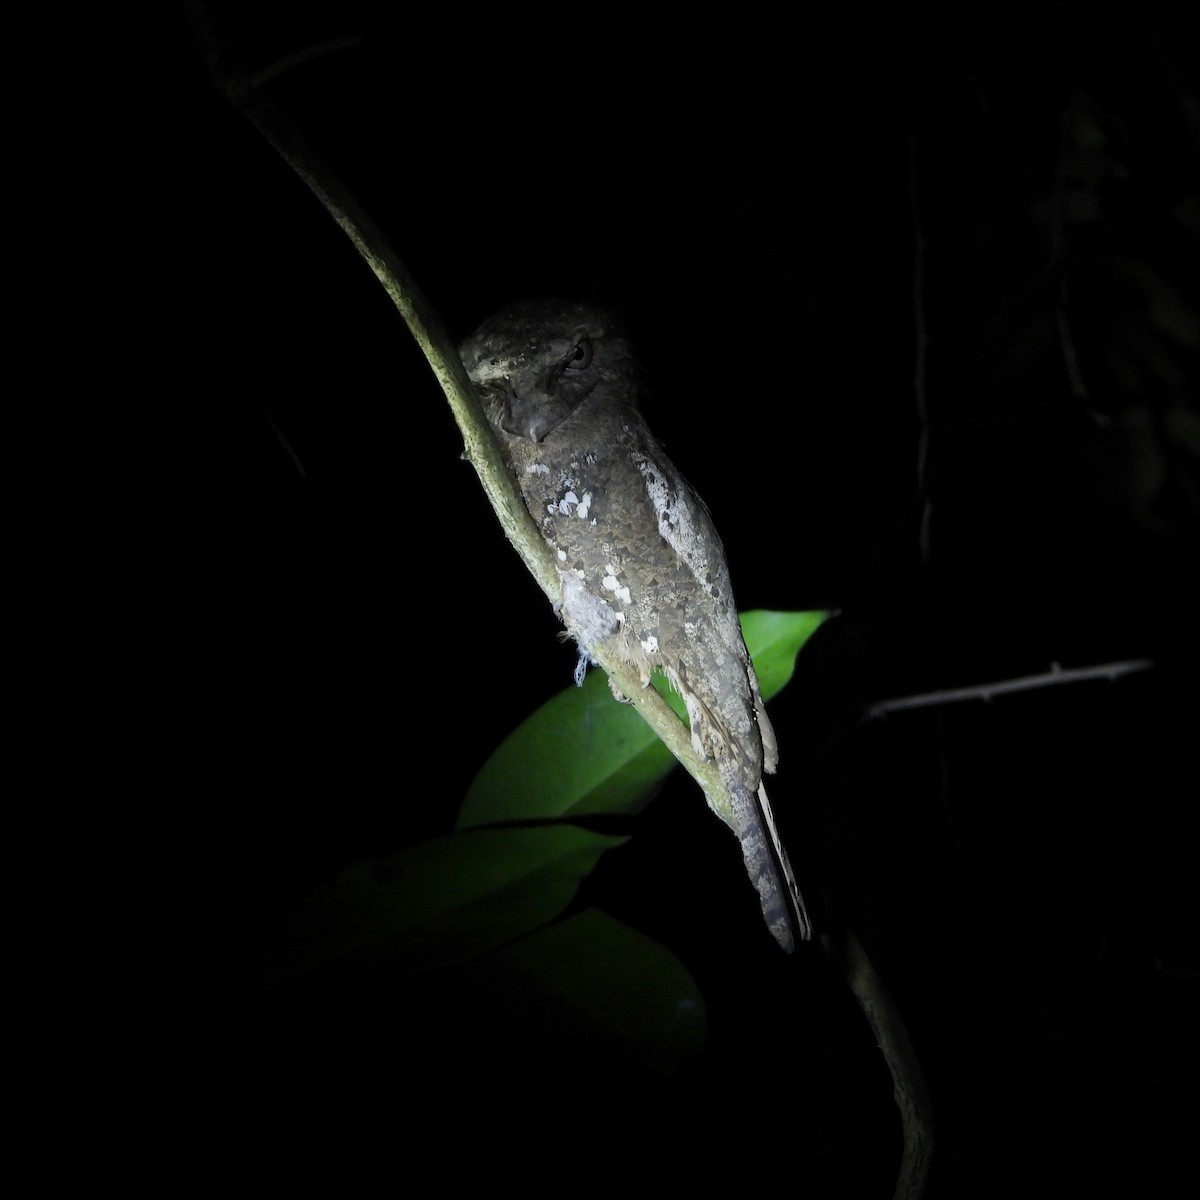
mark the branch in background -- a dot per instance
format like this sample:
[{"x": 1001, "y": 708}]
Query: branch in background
[
  {"x": 880, "y": 1011},
  {"x": 921, "y": 339},
  {"x": 1058, "y": 251},
  {"x": 908, "y": 1080},
  {"x": 1026, "y": 683}
]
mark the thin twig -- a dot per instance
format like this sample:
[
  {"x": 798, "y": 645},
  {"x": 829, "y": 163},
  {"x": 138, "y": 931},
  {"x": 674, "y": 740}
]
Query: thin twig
[
  {"x": 1025, "y": 683},
  {"x": 281, "y": 66}
]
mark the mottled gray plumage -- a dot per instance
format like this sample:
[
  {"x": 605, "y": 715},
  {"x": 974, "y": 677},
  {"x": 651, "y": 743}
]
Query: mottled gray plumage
[{"x": 641, "y": 566}]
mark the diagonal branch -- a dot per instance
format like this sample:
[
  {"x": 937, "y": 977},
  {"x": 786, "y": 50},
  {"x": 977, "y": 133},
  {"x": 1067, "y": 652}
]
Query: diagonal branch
[{"x": 240, "y": 87}]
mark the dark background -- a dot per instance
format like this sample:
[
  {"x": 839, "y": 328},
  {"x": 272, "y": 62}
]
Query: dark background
[{"x": 281, "y": 670}]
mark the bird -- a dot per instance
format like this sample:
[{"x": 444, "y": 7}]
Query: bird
[{"x": 641, "y": 568}]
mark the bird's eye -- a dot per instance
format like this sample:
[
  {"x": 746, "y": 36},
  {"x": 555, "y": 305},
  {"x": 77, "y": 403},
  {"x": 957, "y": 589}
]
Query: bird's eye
[{"x": 580, "y": 356}]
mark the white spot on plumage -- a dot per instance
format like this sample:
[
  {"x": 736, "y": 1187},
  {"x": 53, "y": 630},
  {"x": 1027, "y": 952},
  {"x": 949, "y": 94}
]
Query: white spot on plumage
[
  {"x": 569, "y": 501},
  {"x": 611, "y": 583}
]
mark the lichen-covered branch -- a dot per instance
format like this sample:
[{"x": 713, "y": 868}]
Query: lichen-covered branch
[{"x": 241, "y": 87}]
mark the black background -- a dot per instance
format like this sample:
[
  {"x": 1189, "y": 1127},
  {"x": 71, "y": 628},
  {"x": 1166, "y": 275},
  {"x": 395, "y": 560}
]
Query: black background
[{"x": 283, "y": 670}]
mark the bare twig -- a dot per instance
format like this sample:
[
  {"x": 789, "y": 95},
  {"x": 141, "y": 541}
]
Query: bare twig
[
  {"x": 261, "y": 78},
  {"x": 1026, "y": 683}
]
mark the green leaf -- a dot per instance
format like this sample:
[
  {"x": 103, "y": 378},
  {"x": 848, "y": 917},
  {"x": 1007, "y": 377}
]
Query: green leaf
[
  {"x": 585, "y": 754},
  {"x": 774, "y": 639},
  {"x": 440, "y": 901},
  {"x": 581, "y": 753},
  {"x": 595, "y": 982}
]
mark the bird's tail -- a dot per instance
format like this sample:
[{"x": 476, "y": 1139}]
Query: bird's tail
[{"x": 768, "y": 867}]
